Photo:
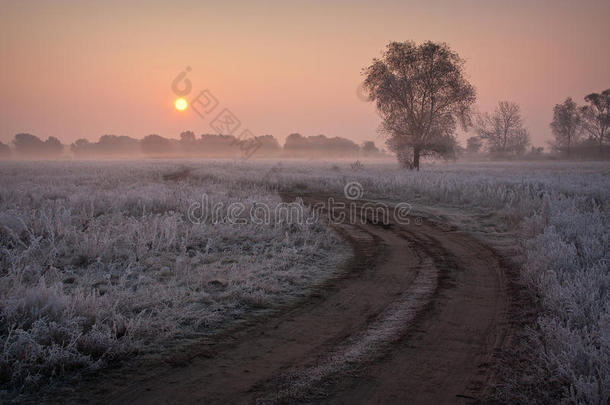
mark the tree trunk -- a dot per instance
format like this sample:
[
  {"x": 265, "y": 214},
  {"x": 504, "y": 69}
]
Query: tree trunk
[{"x": 416, "y": 158}]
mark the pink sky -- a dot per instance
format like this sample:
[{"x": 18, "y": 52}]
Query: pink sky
[{"x": 74, "y": 69}]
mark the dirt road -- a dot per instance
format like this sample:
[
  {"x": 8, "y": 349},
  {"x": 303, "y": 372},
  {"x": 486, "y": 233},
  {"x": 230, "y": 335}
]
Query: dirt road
[{"x": 415, "y": 318}]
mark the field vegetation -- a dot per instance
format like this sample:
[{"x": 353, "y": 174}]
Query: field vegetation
[{"x": 99, "y": 260}]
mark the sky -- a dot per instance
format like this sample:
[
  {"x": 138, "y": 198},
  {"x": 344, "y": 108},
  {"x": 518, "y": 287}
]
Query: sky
[{"x": 81, "y": 69}]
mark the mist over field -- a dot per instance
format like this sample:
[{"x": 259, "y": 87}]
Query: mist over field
[{"x": 305, "y": 202}]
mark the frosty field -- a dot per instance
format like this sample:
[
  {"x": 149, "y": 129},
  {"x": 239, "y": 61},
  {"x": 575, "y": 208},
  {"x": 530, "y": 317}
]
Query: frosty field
[{"x": 100, "y": 260}]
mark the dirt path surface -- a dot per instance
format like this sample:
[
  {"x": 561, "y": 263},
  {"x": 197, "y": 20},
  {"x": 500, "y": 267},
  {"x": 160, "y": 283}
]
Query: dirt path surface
[{"x": 416, "y": 318}]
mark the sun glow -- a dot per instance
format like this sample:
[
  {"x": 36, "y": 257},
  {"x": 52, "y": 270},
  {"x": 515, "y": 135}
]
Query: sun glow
[{"x": 181, "y": 104}]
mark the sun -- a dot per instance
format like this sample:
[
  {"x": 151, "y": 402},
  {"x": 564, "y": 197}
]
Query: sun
[{"x": 181, "y": 104}]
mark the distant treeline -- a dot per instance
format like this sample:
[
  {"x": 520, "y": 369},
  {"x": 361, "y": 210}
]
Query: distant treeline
[
  {"x": 579, "y": 132},
  {"x": 190, "y": 145}
]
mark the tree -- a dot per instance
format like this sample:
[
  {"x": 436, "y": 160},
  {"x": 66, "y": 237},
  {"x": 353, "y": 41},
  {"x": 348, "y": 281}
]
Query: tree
[
  {"x": 82, "y": 147},
  {"x": 28, "y": 144},
  {"x": 503, "y": 131},
  {"x": 218, "y": 145},
  {"x": 187, "y": 137},
  {"x": 267, "y": 145},
  {"x": 473, "y": 144},
  {"x": 596, "y": 117},
  {"x": 369, "y": 149},
  {"x": 188, "y": 143},
  {"x": 53, "y": 146},
  {"x": 294, "y": 144},
  {"x": 566, "y": 125},
  {"x": 155, "y": 145},
  {"x": 335, "y": 146},
  {"x": 116, "y": 145},
  {"x": 421, "y": 94}
]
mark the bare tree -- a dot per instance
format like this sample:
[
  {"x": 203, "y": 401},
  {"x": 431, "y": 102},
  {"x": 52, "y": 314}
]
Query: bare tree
[
  {"x": 596, "y": 117},
  {"x": 503, "y": 130},
  {"x": 421, "y": 94},
  {"x": 566, "y": 125}
]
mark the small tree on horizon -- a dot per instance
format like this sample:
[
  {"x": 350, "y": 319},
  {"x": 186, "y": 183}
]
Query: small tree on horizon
[
  {"x": 155, "y": 144},
  {"x": 596, "y": 117},
  {"x": 503, "y": 130},
  {"x": 369, "y": 149},
  {"x": 566, "y": 125},
  {"x": 53, "y": 146},
  {"x": 421, "y": 94},
  {"x": 30, "y": 145},
  {"x": 187, "y": 137}
]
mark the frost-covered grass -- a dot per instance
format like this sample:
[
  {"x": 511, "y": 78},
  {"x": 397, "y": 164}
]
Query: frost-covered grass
[
  {"x": 98, "y": 258},
  {"x": 559, "y": 214}
]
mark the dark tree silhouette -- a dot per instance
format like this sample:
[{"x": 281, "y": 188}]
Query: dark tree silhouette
[
  {"x": 596, "y": 117},
  {"x": 117, "y": 145},
  {"x": 369, "y": 149},
  {"x": 156, "y": 145},
  {"x": 31, "y": 145},
  {"x": 503, "y": 130},
  {"x": 319, "y": 145},
  {"x": 566, "y": 125},
  {"x": 53, "y": 146},
  {"x": 295, "y": 143},
  {"x": 28, "y": 144},
  {"x": 335, "y": 146},
  {"x": 107, "y": 145},
  {"x": 268, "y": 145},
  {"x": 188, "y": 143},
  {"x": 187, "y": 137},
  {"x": 82, "y": 147},
  {"x": 219, "y": 145},
  {"x": 421, "y": 94}
]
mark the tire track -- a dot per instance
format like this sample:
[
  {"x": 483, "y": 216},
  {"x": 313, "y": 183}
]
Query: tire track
[{"x": 416, "y": 317}]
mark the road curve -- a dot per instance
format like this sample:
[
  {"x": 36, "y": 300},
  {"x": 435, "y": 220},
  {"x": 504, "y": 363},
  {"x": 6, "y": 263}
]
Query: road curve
[{"x": 416, "y": 318}]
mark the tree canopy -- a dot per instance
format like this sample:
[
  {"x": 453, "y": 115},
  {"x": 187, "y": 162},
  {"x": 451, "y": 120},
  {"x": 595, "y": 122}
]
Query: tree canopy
[
  {"x": 596, "y": 116},
  {"x": 422, "y": 94},
  {"x": 566, "y": 125}
]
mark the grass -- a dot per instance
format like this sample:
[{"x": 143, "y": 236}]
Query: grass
[
  {"x": 98, "y": 257},
  {"x": 99, "y": 261}
]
